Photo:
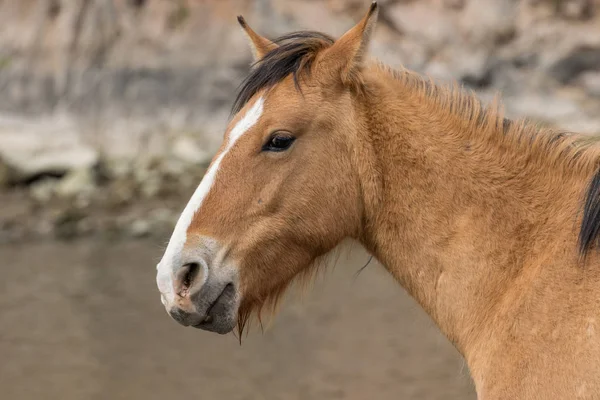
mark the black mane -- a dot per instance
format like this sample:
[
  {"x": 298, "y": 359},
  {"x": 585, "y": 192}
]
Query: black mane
[
  {"x": 295, "y": 53},
  {"x": 590, "y": 225}
]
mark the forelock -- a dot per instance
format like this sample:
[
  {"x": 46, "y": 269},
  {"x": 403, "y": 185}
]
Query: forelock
[{"x": 294, "y": 56}]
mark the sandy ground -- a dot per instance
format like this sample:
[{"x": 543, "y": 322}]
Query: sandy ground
[{"x": 83, "y": 320}]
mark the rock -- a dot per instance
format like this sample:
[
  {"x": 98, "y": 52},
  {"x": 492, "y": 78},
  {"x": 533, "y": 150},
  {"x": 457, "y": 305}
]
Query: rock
[
  {"x": 590, "y": 81},
  {"x": 439, "y": 71},
  {"x": 43, "y": 228},
  {"x": 5, "y": 174},
  {"x": 576, "y": 9},
  {"x": 581, "y": 59},
  {"x": 121, "y": 193},
  {"x": 474, "y": 68},
  {"x": 549, "y": 110},
  {"x": 173, "y": 167},
  {"x": 191, "y": 178},
  {"x": 187, "y": 150},
  {"x": 40, "y": 147},
  {"x": 148, "y": 177},
  {"x": 140, "y": 228},
  {"x": 117, "y": 168},
  {"x": 85, "y": 226},
  {"x": 66, "y": 224},
  {"x": 165, "y": 215},
  {"x": 163, "y": 221},
  {"x": 11, "y": 232},
  {"x": 487, "y": 23},
  {"x": 43, "y": 190},
  {"x": 454, "y": 4},
  {"x": 77, "y": 182},
  {"x": 420, "y": 21},
  {"x": 151, "y": 186},
  {"x": 542, "y": 108}
]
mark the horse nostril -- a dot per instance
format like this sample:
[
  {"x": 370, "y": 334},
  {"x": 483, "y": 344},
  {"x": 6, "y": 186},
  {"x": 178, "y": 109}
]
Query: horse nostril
[
  {"x": 190, "y": 275},
  {"x": 185, "y": 278}
]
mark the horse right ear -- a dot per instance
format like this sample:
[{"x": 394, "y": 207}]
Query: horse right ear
[{"x": 260, "y": 45}]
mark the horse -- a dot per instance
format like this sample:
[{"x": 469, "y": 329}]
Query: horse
[{"x": 491, "y": 224}]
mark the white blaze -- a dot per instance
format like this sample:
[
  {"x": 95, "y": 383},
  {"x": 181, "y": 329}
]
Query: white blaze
[{"x": 179, "y": 236}]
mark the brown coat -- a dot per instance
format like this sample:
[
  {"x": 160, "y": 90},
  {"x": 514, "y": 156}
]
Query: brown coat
[{"x": 483, "y": 220}]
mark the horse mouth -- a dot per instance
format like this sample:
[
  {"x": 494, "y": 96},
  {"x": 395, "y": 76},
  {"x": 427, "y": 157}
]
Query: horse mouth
[{"x": 220, "y": 315}]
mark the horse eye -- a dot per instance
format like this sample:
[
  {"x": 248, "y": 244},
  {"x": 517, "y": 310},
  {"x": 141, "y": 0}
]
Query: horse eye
[{"x": 279, "y": 142}]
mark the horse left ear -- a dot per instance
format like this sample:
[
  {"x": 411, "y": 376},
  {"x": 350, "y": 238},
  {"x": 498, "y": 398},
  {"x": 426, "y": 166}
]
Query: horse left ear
[
  {"x": 260, "y": 45},
  {"x": 347, "y": 54}
]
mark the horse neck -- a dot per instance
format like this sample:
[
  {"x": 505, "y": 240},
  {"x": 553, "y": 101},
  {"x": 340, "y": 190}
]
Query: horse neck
[{"x": 457, "y": 217}]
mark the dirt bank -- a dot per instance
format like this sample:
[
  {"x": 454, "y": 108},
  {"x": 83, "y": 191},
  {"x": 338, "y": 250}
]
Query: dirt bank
[{"x": 110, "y": 110}]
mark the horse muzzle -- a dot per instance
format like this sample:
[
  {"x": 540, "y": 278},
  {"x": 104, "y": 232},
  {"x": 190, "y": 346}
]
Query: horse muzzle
[{"x": 201, "y": 296}]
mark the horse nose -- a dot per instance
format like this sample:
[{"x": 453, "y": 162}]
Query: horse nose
[
  {"x": 188, "y": 279},
  {"x": 187, "y": 282}
]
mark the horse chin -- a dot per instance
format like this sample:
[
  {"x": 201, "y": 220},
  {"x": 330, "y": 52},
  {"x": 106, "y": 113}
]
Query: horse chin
[
  {"x": 221, "y": 316},
  {"x": 220, "y": 326}
]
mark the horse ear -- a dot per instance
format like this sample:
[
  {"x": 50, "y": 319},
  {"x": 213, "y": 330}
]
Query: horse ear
[
  {"x": 347, "y": 54},
  {"x": 259, "y": 44}
]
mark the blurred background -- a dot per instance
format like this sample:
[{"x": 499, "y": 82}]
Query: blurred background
[{"x": 110, "y": 111}]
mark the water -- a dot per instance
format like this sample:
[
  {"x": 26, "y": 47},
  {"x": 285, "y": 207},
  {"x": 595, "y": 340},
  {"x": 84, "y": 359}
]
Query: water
[{"x": 83, "y": 320}]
